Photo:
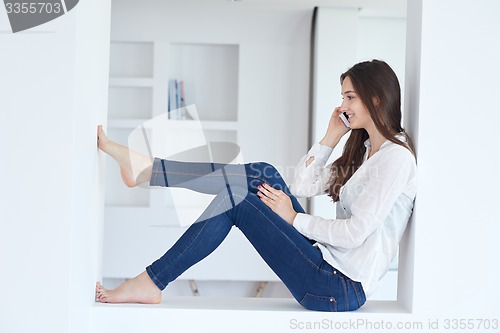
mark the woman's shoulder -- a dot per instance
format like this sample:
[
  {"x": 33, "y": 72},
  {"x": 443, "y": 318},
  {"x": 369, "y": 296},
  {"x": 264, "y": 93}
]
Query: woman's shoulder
[{"x": 398, "y": 153}]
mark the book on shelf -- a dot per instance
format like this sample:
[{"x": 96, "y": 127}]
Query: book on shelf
[{"x": 176, "y": 101}]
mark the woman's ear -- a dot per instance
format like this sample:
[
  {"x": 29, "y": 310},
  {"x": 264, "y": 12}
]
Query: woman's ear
[{"x": 376, "y": 101}]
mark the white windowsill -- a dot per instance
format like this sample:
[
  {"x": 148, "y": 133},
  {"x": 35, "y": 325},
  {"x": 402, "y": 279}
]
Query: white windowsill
[{"x": 246, "y": 304}]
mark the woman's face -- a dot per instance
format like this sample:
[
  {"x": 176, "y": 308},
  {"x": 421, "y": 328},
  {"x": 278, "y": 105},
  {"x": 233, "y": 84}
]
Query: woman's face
[{"x": 359, "y": 117}]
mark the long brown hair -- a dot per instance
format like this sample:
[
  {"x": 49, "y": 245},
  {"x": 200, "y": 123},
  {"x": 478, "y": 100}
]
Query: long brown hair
[{"x": 373, "y": 81}]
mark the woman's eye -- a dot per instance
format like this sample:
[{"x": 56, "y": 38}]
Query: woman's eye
[{"x": 350, "y": 97}]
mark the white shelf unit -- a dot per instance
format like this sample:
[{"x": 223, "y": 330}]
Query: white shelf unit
[{"x": 141, "y": 223}]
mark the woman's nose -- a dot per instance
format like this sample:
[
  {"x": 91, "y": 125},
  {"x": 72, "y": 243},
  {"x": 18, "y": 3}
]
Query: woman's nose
[{"x": 343, "y": 106}]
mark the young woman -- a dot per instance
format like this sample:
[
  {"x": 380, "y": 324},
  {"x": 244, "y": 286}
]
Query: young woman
[{"x": 327, "y": 264}]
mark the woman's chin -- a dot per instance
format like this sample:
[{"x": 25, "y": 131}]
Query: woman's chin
[{"x": 355, "y": 126}]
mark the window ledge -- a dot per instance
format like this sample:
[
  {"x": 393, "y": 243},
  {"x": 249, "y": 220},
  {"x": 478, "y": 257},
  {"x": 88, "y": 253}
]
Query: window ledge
[{"x": 209, "y": 314}]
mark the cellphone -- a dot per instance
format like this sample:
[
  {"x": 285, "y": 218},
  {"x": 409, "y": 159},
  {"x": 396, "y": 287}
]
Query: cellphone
[{"x": 345, "y": 119}]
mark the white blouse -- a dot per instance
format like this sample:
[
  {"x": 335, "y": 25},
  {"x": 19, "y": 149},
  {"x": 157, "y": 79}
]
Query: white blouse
[{"x": 372, "y": 213}]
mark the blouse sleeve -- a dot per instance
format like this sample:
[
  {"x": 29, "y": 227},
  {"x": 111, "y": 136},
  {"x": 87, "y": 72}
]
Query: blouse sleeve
[{"x": 312, "y": 179}]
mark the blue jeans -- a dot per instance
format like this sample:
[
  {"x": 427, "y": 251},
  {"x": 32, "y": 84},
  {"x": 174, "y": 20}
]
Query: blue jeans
[{"x": 311, "y": 280}]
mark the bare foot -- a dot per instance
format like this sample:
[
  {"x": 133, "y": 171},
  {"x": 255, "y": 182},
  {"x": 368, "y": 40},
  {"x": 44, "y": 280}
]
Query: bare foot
[
  {"x": 135, "y": 168},
  {"x": 140, "y": 289}
]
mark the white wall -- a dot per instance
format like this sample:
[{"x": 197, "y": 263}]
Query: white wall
[
  {"x": 53, "y": 86},
  {"x": 90, "y": 108},
  {"x": 455, "y": 85}
]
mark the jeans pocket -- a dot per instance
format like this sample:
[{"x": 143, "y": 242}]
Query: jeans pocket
[{"x": 319, "y": 303}]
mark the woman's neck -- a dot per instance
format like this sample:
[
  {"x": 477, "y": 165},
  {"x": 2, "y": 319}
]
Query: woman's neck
[{"x": 376, "y": 140}]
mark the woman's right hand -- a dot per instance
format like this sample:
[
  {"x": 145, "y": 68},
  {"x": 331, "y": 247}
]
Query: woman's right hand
[{"x": 336, "y": 129}]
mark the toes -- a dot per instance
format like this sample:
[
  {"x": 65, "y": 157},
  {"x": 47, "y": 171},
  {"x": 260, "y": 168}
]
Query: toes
[
  {"x": 100, "y": 293},
  {"x": 101, "y": 131},
  {"x": 102, "y": 298}
]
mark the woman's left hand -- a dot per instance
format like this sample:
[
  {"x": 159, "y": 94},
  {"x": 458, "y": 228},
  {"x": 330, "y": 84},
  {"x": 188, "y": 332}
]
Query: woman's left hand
[{"x": 278, "y": 201}]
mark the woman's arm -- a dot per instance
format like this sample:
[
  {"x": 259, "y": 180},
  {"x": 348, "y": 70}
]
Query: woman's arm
[
  {"x": 388, "y": 180},
  {"x": 311, "y": 175}
]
